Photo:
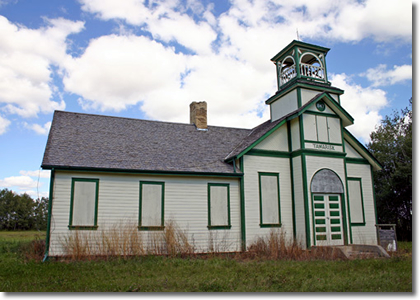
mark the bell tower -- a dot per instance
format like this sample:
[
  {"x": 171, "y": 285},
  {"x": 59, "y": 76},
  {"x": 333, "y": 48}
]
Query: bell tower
[
  {"x": 301, "y": 61},
  {"x": 301, "y": 75}
]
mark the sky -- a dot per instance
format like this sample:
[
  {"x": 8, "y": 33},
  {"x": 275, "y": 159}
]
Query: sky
[{"x": 150, "y": 59}]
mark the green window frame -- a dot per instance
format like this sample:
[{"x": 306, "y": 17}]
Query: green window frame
[
  {"x": 84, "y": 204},
  {"x": 218, "y": 203},
  {"x": 352, "y": 199},
  {"x": 326, "y": 128},
  {"x": 269, "y": 192},
  {"x": 151, "y": 205}
]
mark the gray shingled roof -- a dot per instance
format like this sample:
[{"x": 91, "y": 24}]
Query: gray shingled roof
[{"x": 101, "y": 142}]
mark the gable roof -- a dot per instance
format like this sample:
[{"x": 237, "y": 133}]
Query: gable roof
[
  {"x": 260, "y": 132},
  {"x": 85, "y": 141},
  {"x": 362, "y": 150}
]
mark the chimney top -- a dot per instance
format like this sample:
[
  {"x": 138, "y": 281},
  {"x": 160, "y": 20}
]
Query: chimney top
[{"x": 198, "y": 115}]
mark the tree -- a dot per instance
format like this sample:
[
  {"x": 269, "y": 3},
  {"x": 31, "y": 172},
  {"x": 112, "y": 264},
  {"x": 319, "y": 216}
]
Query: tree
[
  {"x": 21, "y": 212},
  {"x": 391, "y": 144}
]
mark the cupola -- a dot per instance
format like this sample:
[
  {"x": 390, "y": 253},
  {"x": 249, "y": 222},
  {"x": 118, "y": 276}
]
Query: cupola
[{"x": 302, "y": 61}]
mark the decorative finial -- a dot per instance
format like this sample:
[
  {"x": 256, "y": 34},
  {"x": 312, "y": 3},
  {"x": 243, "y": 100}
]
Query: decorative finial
[{"x": 297, "y": 34}]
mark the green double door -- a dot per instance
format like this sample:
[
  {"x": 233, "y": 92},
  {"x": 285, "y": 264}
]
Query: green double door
[{"x": 327, "y": 219}]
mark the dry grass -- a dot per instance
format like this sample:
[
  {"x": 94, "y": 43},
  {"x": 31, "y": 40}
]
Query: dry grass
[
  {"x": 125, "y": 240},
  {"x": 276, "y": 246}
]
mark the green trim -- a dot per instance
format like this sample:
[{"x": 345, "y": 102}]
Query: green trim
[
  {"x": 301, "y": 133},
  {"x": 298, "y": 113},
  {"x": 361, "y": 198},
  {"x": 317, "y": 113},
  {"x": 277, "y": 175},
  {"x": 259, "y": 140},
  {"x": 288, "y": 87},
  {"x": 292, "y": 188},
  {"x": 364, "y": 152},
  {"x": 299, "y": 96},
  {"x": 151, "y": 228},
  {"x": 348, "y": 204},
  {"x": 374, "y": 194},
  {"x": 50, "y": 201},
  {"x": 323, "y": 143},
  {"x": 361, "y": 161},
  {"x": 162, "y": 222},
  {"x": 242, "y": 199},
  {"x": 346, "y": 228},
  {"x": 306, "y": 201},
  {"x": 320, "y": 105},
  {"x": 209, "y": 186},
  {"x": 295, "y": 44},
  {"x": 83, "y": 227},
  {"x": 268, "y": 153},
  {"x": 94, "y": 226},
  {"x": 321, "y": 153},
  {"x": 329, "y": 197},
  {"x": 142, "y": 172}
]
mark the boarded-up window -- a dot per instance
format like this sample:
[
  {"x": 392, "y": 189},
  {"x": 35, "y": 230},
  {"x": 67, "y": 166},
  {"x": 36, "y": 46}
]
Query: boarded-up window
[
  {"x": 322, "y": 129},
  {"x": 269, "y": 200},
  {"x": 356, "y": 201},
  {"x": 151, "y": 208},
  {"x": 84, "y": 203},
  {"x": 218, "y": 206}
]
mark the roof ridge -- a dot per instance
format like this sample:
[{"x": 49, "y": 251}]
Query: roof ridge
[{"x": 146, "y": 120}]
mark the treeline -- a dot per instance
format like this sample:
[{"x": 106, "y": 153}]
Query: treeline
[
  {"x": 392, "y": 144},
  {"x": 21, "y": 212}
]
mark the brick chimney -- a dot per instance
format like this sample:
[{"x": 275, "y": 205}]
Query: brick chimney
[{"x": 198, "y": 114}]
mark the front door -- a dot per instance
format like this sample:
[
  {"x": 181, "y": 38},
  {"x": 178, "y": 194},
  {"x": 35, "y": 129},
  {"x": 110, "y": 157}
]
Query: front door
[{"x": 327, "y": 219}]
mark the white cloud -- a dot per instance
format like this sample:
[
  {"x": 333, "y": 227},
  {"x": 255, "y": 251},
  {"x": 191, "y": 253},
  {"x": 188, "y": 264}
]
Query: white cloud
[
  {"x": 26, "y": 56},
  {"x": 39, "y": 129},
  {"x": 118, "y": 71},
  {"x": 363, "y": 104},
  {"x": 36, "y": 173},
  {"x": 381, "y": 76},
  {"x": 4, "y": 123},
  {"x": 22, "y": 182}
]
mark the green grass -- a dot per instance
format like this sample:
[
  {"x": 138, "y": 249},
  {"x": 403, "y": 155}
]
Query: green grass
[{"x": 214, "y": 274}]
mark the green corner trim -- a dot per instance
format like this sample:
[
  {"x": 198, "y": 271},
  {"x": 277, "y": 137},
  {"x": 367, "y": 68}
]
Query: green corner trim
[
  {"x": 289, "y": 141},
  {"x": 306, "y": 202},
  {"x": 242, "y": 199},
  {"x": 50, "y": 205}
]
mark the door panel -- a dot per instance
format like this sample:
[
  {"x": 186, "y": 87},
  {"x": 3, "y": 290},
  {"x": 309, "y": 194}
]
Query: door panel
[{"x": 327, "y": 220}]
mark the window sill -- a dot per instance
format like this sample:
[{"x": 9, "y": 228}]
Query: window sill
[
  {"x": 270, "y": 225},
  {"x": 73, "y": 227},
  {"x": 219, "y": 227},
  {"x": 151, "y": 228}
]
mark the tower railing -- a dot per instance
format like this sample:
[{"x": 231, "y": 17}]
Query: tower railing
[
  {"x": 287, "y": 74},
  {"x": 312, "y": 71},
  {"x": 306, "y": 70}
]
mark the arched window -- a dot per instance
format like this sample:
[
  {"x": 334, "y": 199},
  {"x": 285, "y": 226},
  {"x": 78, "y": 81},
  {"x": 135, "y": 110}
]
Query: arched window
[
  {"x": 311, "y": 66},
  {"x": 326, "y": 181},
  {"x": 287, "y": 70}
]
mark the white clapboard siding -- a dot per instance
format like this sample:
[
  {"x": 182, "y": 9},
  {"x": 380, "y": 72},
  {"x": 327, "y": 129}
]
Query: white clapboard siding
[
  {"x": 285, "y": 105},
  {"x": 276, "y": 141},
  {"x": 185, "y": 203},
  {"x": 351, "y": 152},
  {"x": 313, "y": 165},
  {"x": 253, "y": 165},
  {"x": 299, "y": 201},
  {"x": 364, "y": 234},
  {"x": 295, "y": 133}
]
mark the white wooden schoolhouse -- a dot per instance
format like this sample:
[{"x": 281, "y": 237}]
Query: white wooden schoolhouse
[{"x": 301, "y": 171}]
